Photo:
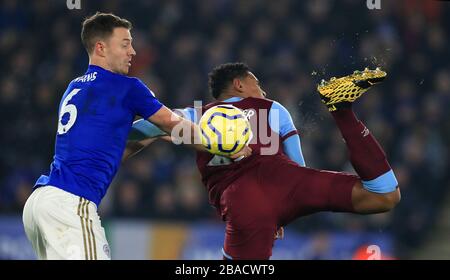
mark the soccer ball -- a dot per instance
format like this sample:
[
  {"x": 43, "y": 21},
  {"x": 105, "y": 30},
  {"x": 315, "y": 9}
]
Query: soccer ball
[{"x": 225, "y": 130}]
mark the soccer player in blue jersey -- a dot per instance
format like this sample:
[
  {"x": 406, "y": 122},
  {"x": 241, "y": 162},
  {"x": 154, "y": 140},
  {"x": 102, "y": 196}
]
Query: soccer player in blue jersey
[
  {"x": 266, "y": 191},
  {"x": 95, "y": 116}
]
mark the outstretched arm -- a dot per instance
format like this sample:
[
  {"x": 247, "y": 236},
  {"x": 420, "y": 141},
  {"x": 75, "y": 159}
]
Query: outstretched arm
[
  {"x": 181, "y": 129},
  {"x": 134, "y": 146},
  {"x": 185, "y": 131},
  {"x": 142, "y": 134},
  {"x": 183, "y": 120}
]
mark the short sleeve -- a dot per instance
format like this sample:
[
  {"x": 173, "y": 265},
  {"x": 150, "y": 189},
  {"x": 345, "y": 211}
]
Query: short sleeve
[
  {"x": 141, "y": 100},
  {"x": 281, "y": 121},
  {"x": 188, "y": 113}
]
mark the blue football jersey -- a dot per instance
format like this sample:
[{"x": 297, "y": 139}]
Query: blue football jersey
[{"x": 95, "y": 116}]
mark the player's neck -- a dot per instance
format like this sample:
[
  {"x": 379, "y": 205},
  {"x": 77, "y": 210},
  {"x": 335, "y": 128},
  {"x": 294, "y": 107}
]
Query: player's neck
[
  {"x": 225, "y": 96},
  {"x": 100, "y": 63}
]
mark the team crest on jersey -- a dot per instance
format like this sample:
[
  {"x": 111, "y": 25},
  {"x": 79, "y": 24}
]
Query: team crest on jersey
[
  {"x": 249, "y": 113},
  {"x": 106, "y": 250}
]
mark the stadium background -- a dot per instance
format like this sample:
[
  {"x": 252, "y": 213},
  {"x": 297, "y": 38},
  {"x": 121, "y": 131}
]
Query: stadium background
[{"x": 156, "y": 206}]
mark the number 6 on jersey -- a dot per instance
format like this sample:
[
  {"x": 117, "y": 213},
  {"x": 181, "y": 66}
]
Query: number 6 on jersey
[{"x": 71, "y": 110}]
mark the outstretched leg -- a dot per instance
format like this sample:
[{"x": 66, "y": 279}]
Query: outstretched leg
[{"x": 377, "y": 191}]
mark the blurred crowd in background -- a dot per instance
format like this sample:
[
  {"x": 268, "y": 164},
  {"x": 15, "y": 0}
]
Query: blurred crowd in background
[{"x": 289, "y": 45}]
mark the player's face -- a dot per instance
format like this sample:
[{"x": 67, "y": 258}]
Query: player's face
[
  {"x": 251, "y": 87},
  {"x": 119, "y": 51}
]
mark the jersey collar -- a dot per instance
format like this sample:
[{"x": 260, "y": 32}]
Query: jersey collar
[{"x": 233, "y": 99}]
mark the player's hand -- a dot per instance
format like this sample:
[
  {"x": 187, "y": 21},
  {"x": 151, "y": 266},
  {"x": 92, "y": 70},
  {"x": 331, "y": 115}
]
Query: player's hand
[
  {"x": 279, "y": 234},
  {"x": 166, "y": 138},
  {"x": 245, "y": 152}
]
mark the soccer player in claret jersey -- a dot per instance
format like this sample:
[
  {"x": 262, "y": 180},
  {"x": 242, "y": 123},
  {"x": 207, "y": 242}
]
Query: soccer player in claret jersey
[
  {"x": 95, "y": 116},
  {"x": 266, "y": 191}
]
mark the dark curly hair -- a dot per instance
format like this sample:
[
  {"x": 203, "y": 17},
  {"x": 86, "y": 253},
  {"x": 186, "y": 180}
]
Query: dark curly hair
[{"x": 221, "y": 76}]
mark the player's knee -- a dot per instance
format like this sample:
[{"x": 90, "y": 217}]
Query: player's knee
[
  {"x": 387, "y": 202},
  {"x": 392, "y": 199},
  {"x": 386, "y": 189},
  {"x": 367, "y": 202}
]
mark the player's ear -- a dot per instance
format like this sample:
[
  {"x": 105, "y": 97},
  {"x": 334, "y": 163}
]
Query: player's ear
[
  {"x": 237, "y": 84},
  {"x": 99, "y": 48}
]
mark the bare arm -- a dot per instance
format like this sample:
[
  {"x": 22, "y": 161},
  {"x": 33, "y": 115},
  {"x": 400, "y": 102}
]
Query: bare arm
[
  {"x": 181, "y": 130},
  {"x": 178, "y": 129},
  {"x": 133, "y": 147},
  {"x": 166, "y": 120}
]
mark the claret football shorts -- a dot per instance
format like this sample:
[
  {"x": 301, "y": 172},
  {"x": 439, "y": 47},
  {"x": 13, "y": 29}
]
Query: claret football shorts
[{"x": 273, "y": 193}]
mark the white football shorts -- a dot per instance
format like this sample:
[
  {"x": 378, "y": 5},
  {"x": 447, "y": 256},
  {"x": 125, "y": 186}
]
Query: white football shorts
[{"x": 62, "y": 226}]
